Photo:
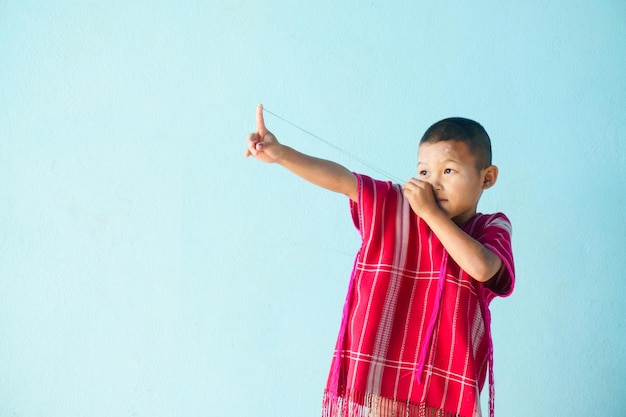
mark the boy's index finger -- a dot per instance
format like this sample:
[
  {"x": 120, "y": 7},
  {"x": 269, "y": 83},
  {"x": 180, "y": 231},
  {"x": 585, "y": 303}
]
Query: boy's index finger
[{"x": 260, "y": 123}]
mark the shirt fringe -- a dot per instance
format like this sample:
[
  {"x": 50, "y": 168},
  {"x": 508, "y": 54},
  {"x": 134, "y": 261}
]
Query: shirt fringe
[{"x": 357, "y": 404}]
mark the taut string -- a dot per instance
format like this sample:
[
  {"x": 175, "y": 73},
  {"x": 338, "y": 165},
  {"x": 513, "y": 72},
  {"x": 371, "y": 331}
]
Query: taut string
[{"x": 337, "y": 148}]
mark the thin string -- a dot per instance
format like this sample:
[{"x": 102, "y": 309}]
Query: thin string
[{"x": 337, "y": 148}]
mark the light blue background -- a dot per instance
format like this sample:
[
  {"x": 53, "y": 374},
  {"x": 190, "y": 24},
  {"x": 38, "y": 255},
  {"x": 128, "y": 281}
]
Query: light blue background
[{"x": 148, "y": 269}]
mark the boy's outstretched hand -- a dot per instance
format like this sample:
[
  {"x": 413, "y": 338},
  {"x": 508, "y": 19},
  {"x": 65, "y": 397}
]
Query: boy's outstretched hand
[{"x": 262, "y": 144}]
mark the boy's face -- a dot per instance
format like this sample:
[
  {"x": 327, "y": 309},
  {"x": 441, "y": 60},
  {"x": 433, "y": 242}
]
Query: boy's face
[{"x": 457, "y": 183}]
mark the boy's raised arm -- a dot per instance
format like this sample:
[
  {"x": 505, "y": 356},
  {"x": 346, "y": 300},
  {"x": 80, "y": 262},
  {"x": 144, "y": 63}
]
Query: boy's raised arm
[{"x": 264, "y": 146}]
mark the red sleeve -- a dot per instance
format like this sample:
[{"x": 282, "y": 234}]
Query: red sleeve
[
  {"x": 371, "y": 195},
  {"x": 357, "y": 217},
  {"x": 494, "y": 231}
]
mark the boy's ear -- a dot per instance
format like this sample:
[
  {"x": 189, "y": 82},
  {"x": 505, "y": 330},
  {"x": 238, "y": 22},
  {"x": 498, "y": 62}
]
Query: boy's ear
[{"x": 490, "y": 176}]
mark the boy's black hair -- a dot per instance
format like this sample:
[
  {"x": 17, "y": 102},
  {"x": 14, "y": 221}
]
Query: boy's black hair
[{"x": 462, "y": 130}]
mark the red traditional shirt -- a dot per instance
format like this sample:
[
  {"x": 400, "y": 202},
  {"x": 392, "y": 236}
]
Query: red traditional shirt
[{"x": 415, "y": 335}]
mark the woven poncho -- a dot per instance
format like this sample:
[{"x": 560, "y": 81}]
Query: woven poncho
[{"x": 415, "y": 336}]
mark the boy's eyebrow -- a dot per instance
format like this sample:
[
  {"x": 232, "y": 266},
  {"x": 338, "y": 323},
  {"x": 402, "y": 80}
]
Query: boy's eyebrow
[{"x": 445, "y": 160}]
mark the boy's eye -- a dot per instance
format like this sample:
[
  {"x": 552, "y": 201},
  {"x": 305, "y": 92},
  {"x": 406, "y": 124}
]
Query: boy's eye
[
  {"x": 447, "y": 171},
  {"x": 423, "y": 172}
]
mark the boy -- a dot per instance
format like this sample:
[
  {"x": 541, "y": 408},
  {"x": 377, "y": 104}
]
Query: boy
[{"x": 415, "y": 335}]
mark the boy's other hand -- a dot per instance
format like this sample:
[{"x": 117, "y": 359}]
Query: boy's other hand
[
  {"x": 421, "y": 197},
  {"x": 262, "y": 144}
]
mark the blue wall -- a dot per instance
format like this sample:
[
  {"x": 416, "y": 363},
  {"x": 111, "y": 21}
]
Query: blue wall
[{"x": 148, "y": 269}]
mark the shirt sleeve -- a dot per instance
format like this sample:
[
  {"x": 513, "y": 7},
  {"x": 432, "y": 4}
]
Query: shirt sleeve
[
  {"x": 356, "y": 206},
  {"x": 372, "y": 196},
  {"x": 495, "y": 234}
]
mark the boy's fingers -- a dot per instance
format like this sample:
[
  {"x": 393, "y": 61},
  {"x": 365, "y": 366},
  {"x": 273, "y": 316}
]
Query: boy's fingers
[
  {"x": 252, "y": 140},
  {"x": 260, "y": 123}
]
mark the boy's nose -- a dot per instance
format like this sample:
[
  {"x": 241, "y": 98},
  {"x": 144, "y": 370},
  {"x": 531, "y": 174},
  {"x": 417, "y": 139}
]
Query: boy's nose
[{"x": 435, "y": 183}]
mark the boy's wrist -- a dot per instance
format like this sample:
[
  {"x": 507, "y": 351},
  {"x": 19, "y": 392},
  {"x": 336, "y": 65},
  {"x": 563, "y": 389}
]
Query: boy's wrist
[
  {"x": 433, "y": 215},
  {"x": 284, "y": 154}
]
